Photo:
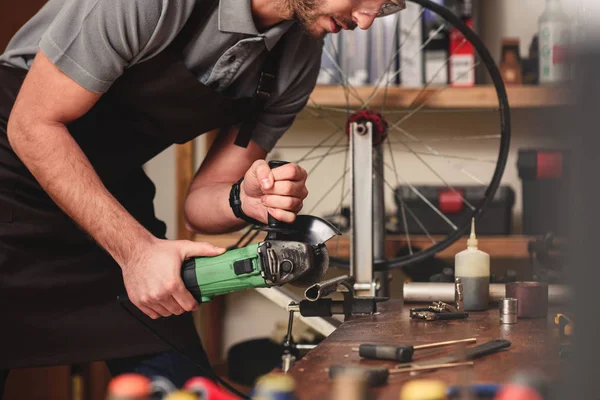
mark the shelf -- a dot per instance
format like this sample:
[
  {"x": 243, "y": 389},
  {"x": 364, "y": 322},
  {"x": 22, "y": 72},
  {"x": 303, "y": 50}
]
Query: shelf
[
  {"x": 478, "y": 97},
  {"x": 508, "y": 247}
]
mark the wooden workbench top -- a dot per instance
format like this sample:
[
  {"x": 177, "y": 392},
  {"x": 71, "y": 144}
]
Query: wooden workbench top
[{"x": 534, "y": 346}]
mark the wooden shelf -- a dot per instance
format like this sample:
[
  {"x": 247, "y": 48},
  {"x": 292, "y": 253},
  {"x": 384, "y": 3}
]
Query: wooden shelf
[
  {"x": 478, "y": 97},
  {"x": 508, "y": 247}
]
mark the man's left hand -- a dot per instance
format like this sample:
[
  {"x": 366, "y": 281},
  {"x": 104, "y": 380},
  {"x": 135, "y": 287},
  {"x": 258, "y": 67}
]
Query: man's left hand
[{"x": 279, "y": 191}]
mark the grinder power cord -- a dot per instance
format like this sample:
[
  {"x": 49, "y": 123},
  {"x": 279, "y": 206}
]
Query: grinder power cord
[{"x": 290, "y": 253}]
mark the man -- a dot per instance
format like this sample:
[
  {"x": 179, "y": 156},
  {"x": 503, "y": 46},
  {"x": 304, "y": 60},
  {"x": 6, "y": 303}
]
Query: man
[{"x": 91, "y": 90}]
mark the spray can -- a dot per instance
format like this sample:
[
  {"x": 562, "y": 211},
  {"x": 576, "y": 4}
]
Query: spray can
[
  {"x": 472, "y": 266},
  {"x": 554, "y": 41}
]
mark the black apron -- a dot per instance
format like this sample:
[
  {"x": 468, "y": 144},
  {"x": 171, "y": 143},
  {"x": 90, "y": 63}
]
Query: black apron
[{"x": 58, "y": 289}]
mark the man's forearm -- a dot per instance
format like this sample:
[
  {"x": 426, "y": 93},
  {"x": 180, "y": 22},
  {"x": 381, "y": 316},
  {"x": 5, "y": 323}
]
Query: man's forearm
[
  {"x": 63, "y": 170},
  {"x": 207, "y": 210}
]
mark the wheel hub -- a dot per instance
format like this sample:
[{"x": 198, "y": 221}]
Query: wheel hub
[{"x": 380, "y": 125}]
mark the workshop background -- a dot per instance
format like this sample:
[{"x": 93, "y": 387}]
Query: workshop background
[{"x": 497, "y": 19}]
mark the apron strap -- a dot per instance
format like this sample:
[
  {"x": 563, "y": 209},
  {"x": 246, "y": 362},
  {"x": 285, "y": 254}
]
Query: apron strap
[{"x": 266, "y": 84}]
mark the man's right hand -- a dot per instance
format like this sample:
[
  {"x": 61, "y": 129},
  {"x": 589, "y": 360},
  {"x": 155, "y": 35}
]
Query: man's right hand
[{"x": 153, "y": 278}]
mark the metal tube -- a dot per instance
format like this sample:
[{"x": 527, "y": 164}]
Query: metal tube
[
  {"x": 381, "y": 277},
  {"x": 417, "y": 292},
  {"x": 361, "y": 262},
  {"x": 325, "y": 288}
]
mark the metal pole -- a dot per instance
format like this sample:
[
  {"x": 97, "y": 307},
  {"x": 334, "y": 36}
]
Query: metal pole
[
  {"x": 361, "y": 255},
  {"x": 379, "y": 228},
  {"x": 425, "y": 292}
]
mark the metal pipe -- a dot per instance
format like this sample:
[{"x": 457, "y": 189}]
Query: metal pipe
[
  {"x": 381, "y": 277},
  {"x": 361, "y": 261},
  {"x": 322, "y": 289},
  {"x": 417, "y": 292}
]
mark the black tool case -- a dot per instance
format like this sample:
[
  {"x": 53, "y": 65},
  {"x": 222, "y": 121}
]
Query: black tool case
[
  {"x": 542, "y": 173},
  {"x": 496, "y": 220}
]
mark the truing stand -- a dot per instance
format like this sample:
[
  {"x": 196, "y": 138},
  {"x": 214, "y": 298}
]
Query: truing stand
[{"x": 368, "y": 210}]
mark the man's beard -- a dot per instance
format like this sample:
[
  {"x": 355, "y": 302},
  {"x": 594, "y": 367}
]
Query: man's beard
[{"x": 306, "y": 13}]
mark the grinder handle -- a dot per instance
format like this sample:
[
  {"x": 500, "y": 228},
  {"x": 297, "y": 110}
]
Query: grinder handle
[{"x": 274, "y": 222}]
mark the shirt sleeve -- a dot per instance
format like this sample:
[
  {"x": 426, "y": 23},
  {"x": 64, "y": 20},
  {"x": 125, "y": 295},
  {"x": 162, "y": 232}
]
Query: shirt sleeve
[
  {"x": 294, "y": 88},
  {"x": 93, "y": 41}
]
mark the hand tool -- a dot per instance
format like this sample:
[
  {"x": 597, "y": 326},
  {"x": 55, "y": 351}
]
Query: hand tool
[
  {"x": 469, "y": 353},
  {"x": 402, "y": 352},
  {"x": 291, "y": 253},
  {"x": 377, "y": 376},
  {"x": 437, "y": 316}
]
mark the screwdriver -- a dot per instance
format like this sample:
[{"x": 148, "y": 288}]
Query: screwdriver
[{"x": 402, "y": 352}]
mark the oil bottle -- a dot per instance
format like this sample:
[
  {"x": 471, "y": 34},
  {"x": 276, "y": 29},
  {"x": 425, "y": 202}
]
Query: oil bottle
[{"x": 472, "y": 266}]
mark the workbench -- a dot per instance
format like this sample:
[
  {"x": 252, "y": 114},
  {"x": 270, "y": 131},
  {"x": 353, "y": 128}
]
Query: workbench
[{"x": 535, "y": 345}]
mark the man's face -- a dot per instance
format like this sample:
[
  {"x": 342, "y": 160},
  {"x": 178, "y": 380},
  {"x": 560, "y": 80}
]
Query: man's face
[{"x": 319, "y": 17}]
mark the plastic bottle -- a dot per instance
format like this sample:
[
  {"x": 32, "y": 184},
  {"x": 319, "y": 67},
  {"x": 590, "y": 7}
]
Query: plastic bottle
[
  {"x": 554, "y": 41},
  {"x": 472, "y": 266}
]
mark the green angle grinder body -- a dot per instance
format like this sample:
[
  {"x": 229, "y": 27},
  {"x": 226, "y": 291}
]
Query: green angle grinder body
[{"x": 259, "y": 265}]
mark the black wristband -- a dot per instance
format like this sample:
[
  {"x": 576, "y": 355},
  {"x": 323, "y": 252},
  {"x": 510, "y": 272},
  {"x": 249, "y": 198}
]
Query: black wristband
[{"x": 236, "y": 204}]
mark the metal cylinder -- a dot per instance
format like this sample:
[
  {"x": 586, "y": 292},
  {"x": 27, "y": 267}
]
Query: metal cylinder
[
  {"x": 508, "y": 310},
  {"x": 425, "y": 292},
  {"x": 532, "y": 296}
]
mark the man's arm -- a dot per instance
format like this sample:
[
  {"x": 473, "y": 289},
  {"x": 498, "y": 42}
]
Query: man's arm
[
  {"x": 47, "y": 101},
  {"x": 279, "y": 192}
]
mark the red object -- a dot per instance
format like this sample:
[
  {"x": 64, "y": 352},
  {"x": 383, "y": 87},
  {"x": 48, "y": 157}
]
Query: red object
[
  {"x": 549, "y": 165},
  {"x": 462, "y": 61},
  {"x": 207, "y": 389},
  {"x": 515, "y": 392},
  {"x": 450, "y": 201},
  {"x": 380, "y": 125},
  {"x": 130, "y": 385}
]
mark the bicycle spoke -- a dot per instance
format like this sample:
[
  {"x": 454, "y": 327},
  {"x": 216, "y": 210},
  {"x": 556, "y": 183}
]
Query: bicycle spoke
[
  {"x": 440, "y": 177},
  {"x": 328, "y": 108},
  {"x": 337, "y": 182},
  {"x": 436, "y": 93},
  {"x": 463, "y": 158},
  {"x": 402, "y": 210},
  {"x": 417, "y": 220},
  {"x": 347, "y": 86},
  {"x": 437, "y": 153},
  {"x": 425, "y": 200},
  {"x": 429, "y": 39},
  {"x": 459, "y": 138}
]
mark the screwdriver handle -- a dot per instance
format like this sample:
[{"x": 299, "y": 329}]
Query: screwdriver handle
[
  {"x": 400, "y": 353},
  {"x": 490, "y": 347}
]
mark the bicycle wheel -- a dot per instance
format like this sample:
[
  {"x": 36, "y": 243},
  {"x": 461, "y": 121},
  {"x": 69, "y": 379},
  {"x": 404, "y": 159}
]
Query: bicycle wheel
[{"x": 445, "y": 155}]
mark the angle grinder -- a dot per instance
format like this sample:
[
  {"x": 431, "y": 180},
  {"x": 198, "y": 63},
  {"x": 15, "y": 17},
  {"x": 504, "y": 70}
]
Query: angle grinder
[{"x": 290, "y": 253}]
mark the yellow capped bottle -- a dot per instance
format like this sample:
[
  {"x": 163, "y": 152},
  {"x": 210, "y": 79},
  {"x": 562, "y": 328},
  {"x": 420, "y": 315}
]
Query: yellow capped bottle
[{"x": 472, "y": 266}]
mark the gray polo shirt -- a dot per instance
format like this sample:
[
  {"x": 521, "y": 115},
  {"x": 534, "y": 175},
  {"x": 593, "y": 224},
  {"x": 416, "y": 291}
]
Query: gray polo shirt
[{"x": 94, "y": 41}]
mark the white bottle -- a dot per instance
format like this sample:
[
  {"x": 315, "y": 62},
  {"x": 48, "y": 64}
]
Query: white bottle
[
  {"x": 472, "y": 266},
  {"x": 553, "y": 42}
]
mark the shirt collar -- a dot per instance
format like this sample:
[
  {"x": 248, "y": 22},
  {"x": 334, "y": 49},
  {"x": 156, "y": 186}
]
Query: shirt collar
[{"x": 235, "y": 16}]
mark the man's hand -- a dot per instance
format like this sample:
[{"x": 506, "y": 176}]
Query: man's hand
[
  {"x": 153, "y": 278},
  {"x": 279, "y": 191}
]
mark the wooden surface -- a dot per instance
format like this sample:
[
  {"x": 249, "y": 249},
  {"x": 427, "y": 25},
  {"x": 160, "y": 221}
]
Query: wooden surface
[
  {"x": 510, "y": 247},
  {"x": 478, "y": 97},
  {"x": 534, "y": 345}
]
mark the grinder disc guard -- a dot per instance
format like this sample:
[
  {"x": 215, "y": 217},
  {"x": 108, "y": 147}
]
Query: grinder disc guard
[{"x": 306, "y": 228}]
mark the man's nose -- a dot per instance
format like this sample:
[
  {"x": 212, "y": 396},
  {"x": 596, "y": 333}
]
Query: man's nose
[{"x": 363, "y": 20}]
